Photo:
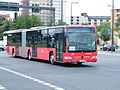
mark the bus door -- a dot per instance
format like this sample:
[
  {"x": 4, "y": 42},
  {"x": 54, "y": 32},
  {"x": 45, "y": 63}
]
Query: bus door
[
  {"x": 17, "y": 50},
  {"x": 34, "y": 41},
  {"x": 17, "y": 42},
  {"x": 59, "y": 47}
]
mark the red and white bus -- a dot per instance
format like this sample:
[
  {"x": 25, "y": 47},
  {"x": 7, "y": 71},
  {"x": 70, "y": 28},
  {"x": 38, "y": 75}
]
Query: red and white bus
[{"x": 64, "y": 44}]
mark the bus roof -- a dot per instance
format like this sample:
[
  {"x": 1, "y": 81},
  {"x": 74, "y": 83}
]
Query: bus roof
[
  {"x": 45, "y": 27},
  {"x": 15, "y": 31}
]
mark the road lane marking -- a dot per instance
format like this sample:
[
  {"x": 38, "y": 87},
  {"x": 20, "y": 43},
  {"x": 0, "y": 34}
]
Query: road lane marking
[
  {"x": 33, "y": 79},
  {"x": 2, "y": 88}
]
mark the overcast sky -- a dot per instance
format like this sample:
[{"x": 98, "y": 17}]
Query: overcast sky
[{"x": 92, "y": 7}]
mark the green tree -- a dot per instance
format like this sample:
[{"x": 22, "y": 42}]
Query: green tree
[
  {"x": 118, "y": 24},
  {"x": 103, "y": 29},
  {"x": 119, "y": 35},
  {"x": 2, "y": 22},
  {"x": 27, "y": 21},
  {"x": 84, "y": 24},
  {"x": 60, "y": 23}
]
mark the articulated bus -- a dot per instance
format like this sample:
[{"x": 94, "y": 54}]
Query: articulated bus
[{"x": 63, "y": 44}]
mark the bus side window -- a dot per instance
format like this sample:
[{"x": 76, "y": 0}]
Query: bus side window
[{"x": 51, "y": 38}]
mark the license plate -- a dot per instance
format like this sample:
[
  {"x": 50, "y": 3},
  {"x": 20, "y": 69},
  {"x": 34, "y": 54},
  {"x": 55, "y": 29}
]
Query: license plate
[{"x": 82, "y": 60}]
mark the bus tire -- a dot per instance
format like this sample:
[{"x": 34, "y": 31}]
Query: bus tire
[
  {"x": 13, "y": 53},
  {"x": 79, "y": 63},
  {"x": 52, "y": 59},
  {"x": 29, "y": 55}
]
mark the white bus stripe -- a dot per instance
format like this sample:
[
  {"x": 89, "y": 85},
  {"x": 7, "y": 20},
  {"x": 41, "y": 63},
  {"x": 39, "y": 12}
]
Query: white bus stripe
[{"x": 34, "y": 79}]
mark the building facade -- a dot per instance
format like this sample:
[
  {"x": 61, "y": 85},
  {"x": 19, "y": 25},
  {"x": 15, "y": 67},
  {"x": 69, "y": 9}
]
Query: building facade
[
  {"x": 45, "y": 15},
  {"x": 90, "y": 20},
  {"x": 57, "y": 5},
  {"x": 7, "y": 16},
  {"x": 24, "y": 10},
  {"x": 116, "y": 15}
]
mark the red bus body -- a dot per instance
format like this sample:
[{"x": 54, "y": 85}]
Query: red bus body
[{"x": 43, "y": 53}]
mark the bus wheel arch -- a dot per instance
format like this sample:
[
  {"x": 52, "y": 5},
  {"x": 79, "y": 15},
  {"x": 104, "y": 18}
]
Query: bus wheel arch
[{"x": 51, "y": 58}]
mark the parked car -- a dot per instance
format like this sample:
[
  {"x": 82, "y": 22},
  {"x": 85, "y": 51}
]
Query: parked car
[
  {"x": 108, "y": 47},
  {"x": 2, "y": 47}
]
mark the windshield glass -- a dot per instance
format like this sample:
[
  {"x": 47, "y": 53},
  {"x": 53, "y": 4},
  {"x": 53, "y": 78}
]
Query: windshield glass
[
  {"x": 81, "y": 29},
  {"x": 81, "y": 41}
]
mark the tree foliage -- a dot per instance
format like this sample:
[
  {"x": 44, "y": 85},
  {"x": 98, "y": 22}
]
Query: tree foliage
[
  {"x": 22, "y": 22},
  {"x": 118, "y": 24},
  {"x": 60, "y": 23},
  {"x": 84, "y": 24},
  {"x": 27, "y": 21},
  {"x": 103, "y": 29},
  {"x": 2, "y": 25}
]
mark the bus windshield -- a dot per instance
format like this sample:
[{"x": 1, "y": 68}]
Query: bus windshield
[{"x": 81, "y": 41}]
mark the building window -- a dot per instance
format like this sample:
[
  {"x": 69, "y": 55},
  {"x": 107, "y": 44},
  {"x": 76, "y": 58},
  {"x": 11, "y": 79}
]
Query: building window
[
  {"x": 107, "y": 20},
  {"x": 95, "y": 24},
  {"x": 89, "y": 20},
  {"x": 89, "y": 23},
  {"x": 95, "y": 20},
  {"x": 101, "y": 20}
]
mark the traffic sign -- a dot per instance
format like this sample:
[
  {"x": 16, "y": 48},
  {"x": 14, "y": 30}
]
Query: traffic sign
[{"x": 109, "y": 31}]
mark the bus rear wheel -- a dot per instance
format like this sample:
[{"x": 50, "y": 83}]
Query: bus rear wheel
[
  {"x": 52, "y": 59},
  {"x": 29, "y": 56},
  {"x": 13, "y": 53}
]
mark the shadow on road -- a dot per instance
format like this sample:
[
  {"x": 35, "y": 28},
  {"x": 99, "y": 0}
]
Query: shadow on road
[
  {"x": 64, "y": 64},
  {"x": 73, "y": 65},
  {"x": 84, "y": 65}
]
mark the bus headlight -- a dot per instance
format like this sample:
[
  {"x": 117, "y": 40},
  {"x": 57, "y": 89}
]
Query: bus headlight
[
  {"x": 94, "y": 57},
  {"x": 67, "y": 57}
]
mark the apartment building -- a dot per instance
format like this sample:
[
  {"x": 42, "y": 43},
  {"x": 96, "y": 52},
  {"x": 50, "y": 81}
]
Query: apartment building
[
  {"x": 7, "y": 16},
  {"x": 116, "y": 15},
  {"x": 90, "y": 20},
  {"x": 57, "y": 5},
  {"x": 45, "y": 15}
]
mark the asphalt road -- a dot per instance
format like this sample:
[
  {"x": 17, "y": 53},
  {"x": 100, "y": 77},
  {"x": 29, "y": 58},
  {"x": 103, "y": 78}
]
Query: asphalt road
[{"x": 21, "y": 74}]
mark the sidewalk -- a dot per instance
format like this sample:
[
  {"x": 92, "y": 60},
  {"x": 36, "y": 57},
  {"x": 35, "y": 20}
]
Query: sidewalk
[{"x": 117, "y": 52}]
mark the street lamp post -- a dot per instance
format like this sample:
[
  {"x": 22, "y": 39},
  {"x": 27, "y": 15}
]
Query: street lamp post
[
  {"x": 61, "y": 10},
  {"x": 112, "y": 43},
  {"x": 71, "y": 10}
]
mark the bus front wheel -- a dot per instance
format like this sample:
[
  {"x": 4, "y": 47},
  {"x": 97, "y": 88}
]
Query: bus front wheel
[
  {"x": 52, "y": 59},
  {"x": 79, "y": 63}
]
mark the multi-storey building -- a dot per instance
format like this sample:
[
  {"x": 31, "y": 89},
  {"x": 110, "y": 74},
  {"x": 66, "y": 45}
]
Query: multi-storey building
[
  {"x": 57, "y": 5},
  {"x": 116, "y": 15},
  {"x": 78, "y": 20},
  {"x": 24, "y": 10},
  {"x": 90, "y": 20},
  {"x": 7, "y": 16},
  {"x": 45, "y": 15}
]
